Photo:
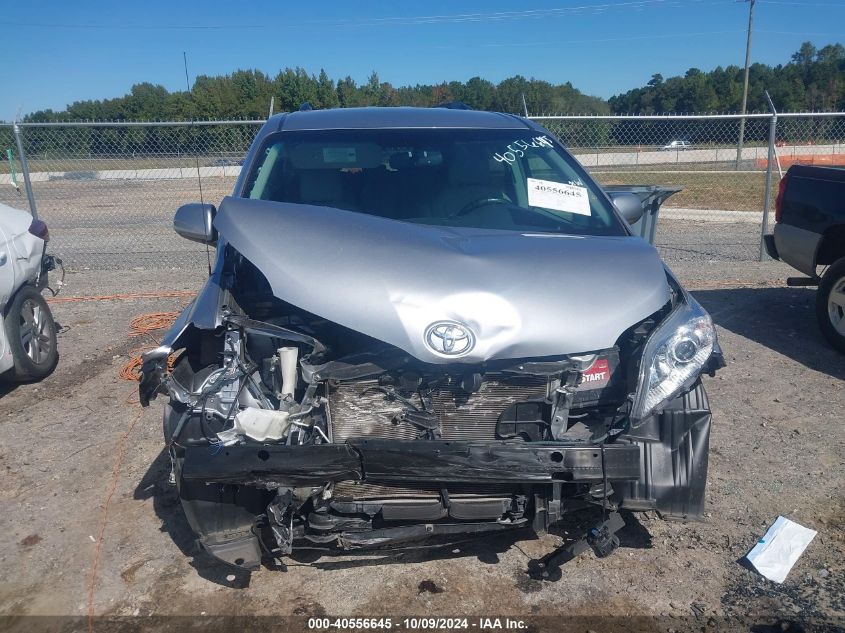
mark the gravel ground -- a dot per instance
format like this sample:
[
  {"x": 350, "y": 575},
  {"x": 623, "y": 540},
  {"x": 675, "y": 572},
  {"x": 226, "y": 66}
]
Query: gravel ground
[{"x": 776, "y": 450}]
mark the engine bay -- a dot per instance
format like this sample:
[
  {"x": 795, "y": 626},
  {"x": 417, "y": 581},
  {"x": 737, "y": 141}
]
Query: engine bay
[{"x": 284, "y": 427}]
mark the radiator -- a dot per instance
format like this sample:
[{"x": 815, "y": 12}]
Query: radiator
[{"x": 357, "y": 412}]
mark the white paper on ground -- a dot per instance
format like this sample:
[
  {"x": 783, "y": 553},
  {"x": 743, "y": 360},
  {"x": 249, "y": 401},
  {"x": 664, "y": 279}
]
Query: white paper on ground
[
  {"x": 558, "y": 196},
  {"x": 779, "y": 549}
]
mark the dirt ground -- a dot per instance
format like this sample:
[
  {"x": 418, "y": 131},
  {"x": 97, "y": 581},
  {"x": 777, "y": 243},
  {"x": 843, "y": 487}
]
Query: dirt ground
[{"x": 776, "y": 449}]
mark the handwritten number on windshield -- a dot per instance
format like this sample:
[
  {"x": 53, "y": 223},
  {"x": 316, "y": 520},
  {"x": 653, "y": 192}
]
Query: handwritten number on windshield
[{"x": 517, "y": 149}]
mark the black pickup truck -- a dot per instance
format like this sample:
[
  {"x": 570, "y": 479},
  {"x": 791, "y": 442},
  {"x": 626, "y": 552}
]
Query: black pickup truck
[{"x": 809, "y": 235}]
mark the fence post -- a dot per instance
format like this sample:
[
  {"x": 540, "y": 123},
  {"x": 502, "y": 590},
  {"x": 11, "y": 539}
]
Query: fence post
[
  {"x": 767, "y": 196},
  {"x": 25, "y": 171}
]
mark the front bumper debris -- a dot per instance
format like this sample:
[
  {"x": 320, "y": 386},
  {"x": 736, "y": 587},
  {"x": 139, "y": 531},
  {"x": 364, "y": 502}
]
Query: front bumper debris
[
  {"x": 403, "y": 461},
  {"x": 601, "y": 538}
]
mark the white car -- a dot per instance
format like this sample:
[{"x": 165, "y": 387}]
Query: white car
[
  {"x": 28, "y": 349},
  {"x": 676, "y": 146}
]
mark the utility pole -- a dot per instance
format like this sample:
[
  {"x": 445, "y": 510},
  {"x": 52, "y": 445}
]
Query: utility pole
[{"x": 745, "y": 82}]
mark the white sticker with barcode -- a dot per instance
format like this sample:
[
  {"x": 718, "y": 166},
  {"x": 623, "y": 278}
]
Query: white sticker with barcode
[{"x": 558, "y": 196}]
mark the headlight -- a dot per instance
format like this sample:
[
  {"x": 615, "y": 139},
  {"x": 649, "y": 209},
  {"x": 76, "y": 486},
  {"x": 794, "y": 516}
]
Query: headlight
[{"x": 674, "y": 354}]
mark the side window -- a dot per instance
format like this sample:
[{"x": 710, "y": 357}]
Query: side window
[{"x": 262, "y": 185}]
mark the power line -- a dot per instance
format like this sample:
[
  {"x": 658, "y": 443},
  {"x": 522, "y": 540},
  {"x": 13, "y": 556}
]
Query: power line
[
  {"x": 498, "y": 16},
  {"x": 805, "y": 33},
  {"x": 602, "y": 40},
  {"x": 804, "y": 4}
]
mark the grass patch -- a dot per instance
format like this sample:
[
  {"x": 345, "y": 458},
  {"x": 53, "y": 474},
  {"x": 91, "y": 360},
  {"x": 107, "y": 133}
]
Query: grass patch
[{"x": 742, "y": 191}]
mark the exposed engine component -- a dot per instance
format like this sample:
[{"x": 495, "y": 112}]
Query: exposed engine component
[
  {"x": 360, "y": 409},
  {"x": 383, "y": 352},
  {"x": 262, "y": 424},
  {"x": 266, "y": 390},
  {"x": 244, "y": 402}
]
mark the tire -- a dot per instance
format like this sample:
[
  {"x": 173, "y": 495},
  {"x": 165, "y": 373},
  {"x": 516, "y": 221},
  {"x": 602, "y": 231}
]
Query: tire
[
  {"x": 35, "y": 356},
  {"x": 830, "y": 305}
]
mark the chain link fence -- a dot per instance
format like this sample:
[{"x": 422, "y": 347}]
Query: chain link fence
[
  {"x": 108, "y": 191},
  {"x": 719, "y": 214}
]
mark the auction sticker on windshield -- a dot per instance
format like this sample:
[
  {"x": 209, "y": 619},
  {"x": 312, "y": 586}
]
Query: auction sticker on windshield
[{"x": 558, "y": 196}]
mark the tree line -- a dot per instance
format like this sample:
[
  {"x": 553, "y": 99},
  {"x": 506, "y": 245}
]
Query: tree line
[
  {"x": 813, "y": 79},
  {"x": 246, "y": 94}
]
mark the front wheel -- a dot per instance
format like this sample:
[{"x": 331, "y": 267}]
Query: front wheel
[
  {"x": 830, "y": 305},
  {"x": 31, "y": 332}
]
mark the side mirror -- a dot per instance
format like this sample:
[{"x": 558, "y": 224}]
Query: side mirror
[
  {"x": 629, "y": 205},
  {"x": 194, "y": 222}
]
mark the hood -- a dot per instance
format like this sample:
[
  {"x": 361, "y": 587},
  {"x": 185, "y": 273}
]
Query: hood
[{"x": 520, "y": 295}]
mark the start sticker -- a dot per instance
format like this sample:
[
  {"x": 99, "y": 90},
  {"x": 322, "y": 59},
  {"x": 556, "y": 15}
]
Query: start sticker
[
  {"x": 597, "y": 376},
  {"x": 558, "y": 196}
]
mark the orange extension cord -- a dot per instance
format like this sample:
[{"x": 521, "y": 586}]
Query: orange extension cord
[
  {"x": 124, "y": 297},
  {"x": 118, "y": 464},
  {"x": 144, "y": 324}
]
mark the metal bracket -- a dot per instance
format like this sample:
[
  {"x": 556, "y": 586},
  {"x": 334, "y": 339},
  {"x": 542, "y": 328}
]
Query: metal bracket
[
  {"x": 563, "y": 398},
  {"x": 601, "y": 539}
]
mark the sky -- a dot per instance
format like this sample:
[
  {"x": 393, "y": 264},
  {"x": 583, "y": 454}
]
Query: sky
[{"x": 60, "y": 52}]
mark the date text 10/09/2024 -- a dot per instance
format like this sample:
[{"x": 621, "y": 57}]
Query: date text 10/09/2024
[{"x": 421, "y": 624}]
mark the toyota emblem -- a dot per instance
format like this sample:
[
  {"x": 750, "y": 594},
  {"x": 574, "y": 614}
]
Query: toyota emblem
[{"x": 449, "y": 338}]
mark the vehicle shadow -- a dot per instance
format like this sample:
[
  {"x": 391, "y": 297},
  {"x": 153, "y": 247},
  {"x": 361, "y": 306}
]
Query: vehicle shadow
[
  {"x": 487, "y": 549},
  {"x": 782, "y": 319},
  {"x": 155, "y": 484},
  {"x": 7, "y": 387}
]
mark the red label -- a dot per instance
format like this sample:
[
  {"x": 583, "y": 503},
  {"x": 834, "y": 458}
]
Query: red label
[{"x": 597, "y": 376}]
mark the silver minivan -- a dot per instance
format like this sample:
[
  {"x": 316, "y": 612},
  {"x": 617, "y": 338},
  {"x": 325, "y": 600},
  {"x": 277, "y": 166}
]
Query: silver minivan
[{"x": 426, "y": 324}]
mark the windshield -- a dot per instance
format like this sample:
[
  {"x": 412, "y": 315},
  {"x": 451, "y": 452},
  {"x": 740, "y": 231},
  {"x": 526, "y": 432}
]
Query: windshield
[{"x": 483, "y": 178}]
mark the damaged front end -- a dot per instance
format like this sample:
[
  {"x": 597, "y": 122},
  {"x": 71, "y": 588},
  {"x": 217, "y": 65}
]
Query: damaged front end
[{"x": 287, "y": 429}]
